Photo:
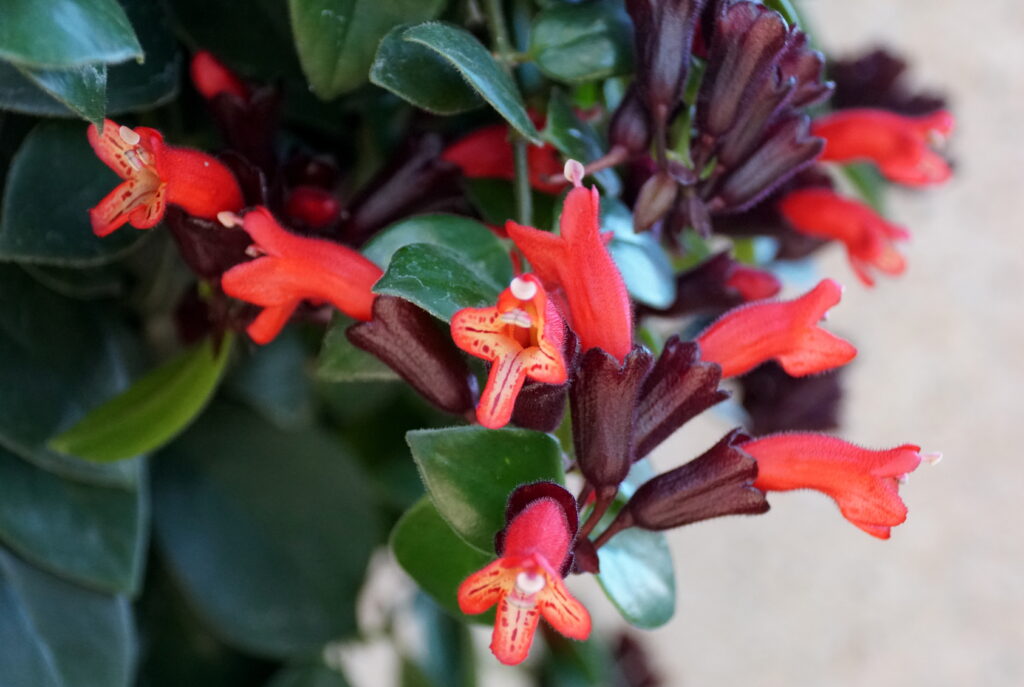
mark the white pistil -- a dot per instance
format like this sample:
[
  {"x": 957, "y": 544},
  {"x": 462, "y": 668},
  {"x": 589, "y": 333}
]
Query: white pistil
[
  {"x": 903, "y": 479},
  {"x": 523, "y": 289},
  {"x": 574, "y": 172},
  {"x": 229, "y": 219},
  {"x": 517, "y": 317},
  {"x": 932, "y": 458},
  {"x": 254, "y": 251},
  {"x": 129, "y": 136},
  {"x": 529, "y": 584}
]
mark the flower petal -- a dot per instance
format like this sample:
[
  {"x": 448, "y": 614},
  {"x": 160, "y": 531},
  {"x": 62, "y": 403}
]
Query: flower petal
[
  {"x": 269, "y": 323},
  {"x": 485, "y": 587},
  {"x": 508, "y": 372},
  {"x": 481, "y": 333},
  {"x": 514, "y": 628},
  {"x": 562, "y": 610},
  {"x": 115, "y": 149},
  {"x": 139, "y": 200}
]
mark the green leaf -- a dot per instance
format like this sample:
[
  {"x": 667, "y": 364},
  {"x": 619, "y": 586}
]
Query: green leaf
[
  {"x": 437, "y": 279},
  {"x": 637, "y": 576},
  {"x": 314, "y": 675},
  {"x": 433, "y": 555},
  {"x": 446, "y": 656},
  {"x": 337, "y": 39},
  {"x": 583, "y": 42},
  {"x": 495, "y": 200},
  {"x": 56, "y": 634},
  {"x": 53, "y": 181},
  {"x": 577, "y": 140},
  {"x": 274, "y": 382},
  {"x": 480, "y": 70},
  {"x": 66, "y": 33},
  {"x": 470, "y": 471},
  {"x": 644, "y": 265},
  {"x": 479, "y": 247},
  {"x": 340, "y": 361},
  {"x": 286, "y": 524},
  {"x": 868, "y": 182},
  {"x": 129, "y": 87},
  {"x": 83, "y": 90},
  {"x": 153, "y": 411},
  {"x": 418, "y": 74},
  {"x": 92, "y": 535},
  {"x": 72, "y": 356}
]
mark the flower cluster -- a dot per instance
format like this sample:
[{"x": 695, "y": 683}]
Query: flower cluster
[{"x": 714, "y": 128}]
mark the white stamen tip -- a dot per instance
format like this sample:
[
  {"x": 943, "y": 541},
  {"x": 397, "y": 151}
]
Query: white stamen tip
[
  {"x": 903, "y": 479},
  {"x": 529, "y": 584},
  {"x": 932, "y": 458},
  {"x": 523, "y": 289},
  {"x": 128, "y": 136},
  {"x": 229, "y": 219},
  {"x": 574, "y": 172},
  {"x": 254, "y": 252}
]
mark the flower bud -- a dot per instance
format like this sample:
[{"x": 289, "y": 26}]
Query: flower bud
[
  {"x": 656, "y": 198},
  {"x": 630, "y": 128}
]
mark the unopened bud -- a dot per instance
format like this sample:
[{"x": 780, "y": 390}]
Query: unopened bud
[
  {"x": 654, "y": 201},
  {"x": 630, "y": 128}
]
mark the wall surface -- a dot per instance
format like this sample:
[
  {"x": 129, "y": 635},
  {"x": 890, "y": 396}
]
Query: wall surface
[{"x": 801, "y": 597}]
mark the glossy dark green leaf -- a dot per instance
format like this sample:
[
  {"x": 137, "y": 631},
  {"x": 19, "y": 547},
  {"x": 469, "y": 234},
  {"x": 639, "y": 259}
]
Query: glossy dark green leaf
[
  {"x": 479, "y": 247},
  {"x": 129, "y": 87},
  {"x": 638, "y": 578},
  {"x": 66, "y": 33},
  {"x": 314, "y": 675},
  {"x": 437, "y": 279},
  {"x": 340, "y": 361},
  {"x": 470, "y": 471},
  {"x": 416, "y": 73},
  {"x": 92, "y": 535},
  {"x": 286, "y": 524},
  {"x": 644, "y": 265},
  {"x": 54, "y": 179},
  {"x": 337, "y": 39},
  {"x": 273, "y": 381},
  {"x": 57, "y": 634},
  {"x": 495, "y": 200},
  {"x": 577, "y": 140},
  {"x": 152, "y": 411},
  {"x": 583, "y": 42},
  {"x": 435, "y": 557},
  {"x": 71, "y": 356},
  {"x": 637, "y": 573},
  {"x": 479, "y": 68},
  {"x": 82, "y": 90}
]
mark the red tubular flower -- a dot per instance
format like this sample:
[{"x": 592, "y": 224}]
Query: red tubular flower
[
  {"x": 863, "y": 483},
  {"x": 522, "y": 336},
  {"x": 525, "y": 583},
  {"x": 785, "y": 331},
  {"x": 293, "y": 268},
  {"x": 898, "y": 144},
  {"x": 580, "y": 264},
  {"x": 487, "y": 153},
  {"x": 211, "y": 77},
  {"x": 753, "y": 284},
  {"x": 156, "y": 174},
  {"x": 868, "y": 237}
]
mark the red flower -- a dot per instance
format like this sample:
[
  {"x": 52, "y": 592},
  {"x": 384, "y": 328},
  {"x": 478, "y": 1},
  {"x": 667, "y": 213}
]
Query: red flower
[
  {"x": 487, "y": 153},
  {"x": 525, "y": 583},
  {"x": 294, "y": 268},
  {"x": 753, "y": 284},
  {"x": 785, "y": 331},
  {"x": 898, "y": 144},
  {"x": 579, "y": 263},
  {"x": 522, "y": 336},
  {"x": 156, "y": 174},
  {"x": 211, "y": 77},
  {"x": 863, "y": 483},
  {"x": 867, "y": 235}
]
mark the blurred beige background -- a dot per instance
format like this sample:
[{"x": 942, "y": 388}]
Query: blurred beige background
[{"x": 801, "y": 597}]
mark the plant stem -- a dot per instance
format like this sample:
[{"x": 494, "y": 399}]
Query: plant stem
[
  {"x": 499, "y": 30},
  {"x": 524, "y": 197}
]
